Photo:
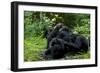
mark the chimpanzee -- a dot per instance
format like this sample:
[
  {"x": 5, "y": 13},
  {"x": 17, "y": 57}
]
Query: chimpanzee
[
  {"x": 59, "y": 47},
  {"x": 56, "y": 49},
  {"x": 73, "y": 41},
  {"x": 62, "y": 41},
  {"x": 53, "y": 33}
]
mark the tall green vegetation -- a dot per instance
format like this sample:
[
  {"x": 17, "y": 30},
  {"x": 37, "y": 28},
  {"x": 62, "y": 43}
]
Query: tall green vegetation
[{"x": 35, "y": 23}]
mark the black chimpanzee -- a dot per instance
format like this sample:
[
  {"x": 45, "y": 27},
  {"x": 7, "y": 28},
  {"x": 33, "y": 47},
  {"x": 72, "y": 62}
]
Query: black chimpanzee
[
  {"x": 56, "y": 49},
  {"x": 62, "y": 40},
  {"x": 75, "y": 42},
  {"x": 53, "y": 33}
]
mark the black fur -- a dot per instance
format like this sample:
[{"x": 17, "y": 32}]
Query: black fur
[
  {"x": 53, "y": 33},
  {"x": 62, "y": 40}
]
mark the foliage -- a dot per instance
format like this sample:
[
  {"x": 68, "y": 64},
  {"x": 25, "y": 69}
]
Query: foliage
[
  {"x": 36, "y": 26},
  {"x": 35, "y": 23},
  {"x": 33, "y": 48}
]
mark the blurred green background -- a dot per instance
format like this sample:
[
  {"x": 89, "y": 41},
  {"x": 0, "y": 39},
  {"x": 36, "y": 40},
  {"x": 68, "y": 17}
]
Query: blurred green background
[{"x": 35, "y": 23}]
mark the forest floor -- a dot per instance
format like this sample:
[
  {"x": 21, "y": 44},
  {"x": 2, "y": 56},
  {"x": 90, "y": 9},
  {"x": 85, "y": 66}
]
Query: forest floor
[{"x": 33, "y": 47}]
